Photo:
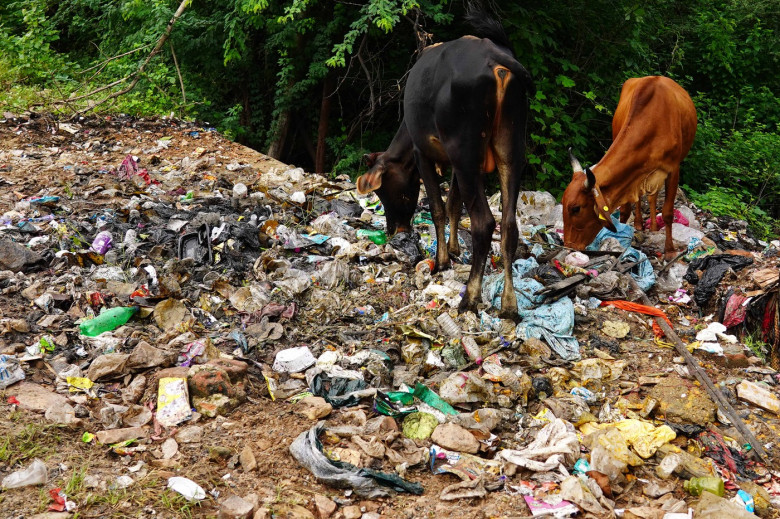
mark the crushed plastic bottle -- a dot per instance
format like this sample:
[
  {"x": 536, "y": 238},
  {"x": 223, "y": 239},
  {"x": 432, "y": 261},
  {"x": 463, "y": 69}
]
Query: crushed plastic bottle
[
  {"x": 35, "y": 474},
  {"x": 472, "y": 349},
  {"x": 102, "y": 242},
  {"x": 695, "y": 486},
  {"x": 448, "y": 325},
  {"x": 107, "y": 321}
]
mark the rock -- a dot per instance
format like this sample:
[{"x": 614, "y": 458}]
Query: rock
[
  {"x": 189, "y": 434},
  {"x": 324, "y": 506},
  {"x": 254, "y": 500},
  {"x": 454, "y": 437},
  {"x": 169, "y": 448},
  {"x": 144, "y": 356},
  {"x": 215, "y": 405},
  {"x": 51, "y": 515},
  {"x": 235, "y": 369},
  {"x": 33, "y": 397},
  {"x": 680, "y": 402},
  {"x": 371, "y": 515},
  {"x": 314, "y": 408},
  {"x": 247, "y": 459},
  {"x": 62, "y": 414},
  {"x": 235, "y": 507},
  {"x": 112, "y": 436},
  {"x": 351, "y": 512},
  {"x": 209, "y": 379},
  {"x": 17, "y": 258},
  {"x": 736, "y": 360},
  {"x": 110, "y": 365},
  {"x": 262, "y": 513}
]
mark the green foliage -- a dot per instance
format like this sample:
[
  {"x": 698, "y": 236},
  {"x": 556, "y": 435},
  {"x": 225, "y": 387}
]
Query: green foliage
[{"x": 255, "y": 69}]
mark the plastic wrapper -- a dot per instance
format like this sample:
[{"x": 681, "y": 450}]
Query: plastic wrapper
[
  {"x": 10, "y": 371},
  {"x": 555, "y": 447},
  {"x": 187, "y": 488},
  {"x": 173, "y": 401},
  {"x": 338, "y": 391},
  {"x": 465, "y": 466},
  {"x": 368, "y": 484},
  {"x": 34, "y": 474}
]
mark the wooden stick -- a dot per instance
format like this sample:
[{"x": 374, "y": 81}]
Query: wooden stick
[{"x": 705, "y": 381}]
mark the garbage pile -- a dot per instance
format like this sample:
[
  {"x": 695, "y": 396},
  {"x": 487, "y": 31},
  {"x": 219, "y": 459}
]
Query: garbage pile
[{"x": 163, "y": 286}]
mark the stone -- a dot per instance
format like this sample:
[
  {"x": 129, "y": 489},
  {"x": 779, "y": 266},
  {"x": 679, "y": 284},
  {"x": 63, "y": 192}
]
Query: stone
[
  {"x": 112, "y": 436},
  {"x": 254, "y": 500},
  {"x": 145, "y": 356},
  {"x": 351, "y": 512},
  {"x": 324, "y": 506},
  {"x": 189, "y": 434},
  {"x": 235, "y": 507},
  {"x": 214, "y": 405},
  {"x": 262, "y": 513},
  {"x": 33, "y": 397},
  {"x": 16, "y": 257},
  {"x": 247, "y": 459},
  {"x": 207, "y": 379},
  {"x": 235, "y": 369},
  {"x": 169, "y": 448},
  {"x": 681, "y": 402},
  {"x": 110, "y": 365},
  {"x": 454, "y": 437},
  {"x": 371, "y": 515},
  {"x": 63, "y": 414},
  {"x": 313, "y": 408}
]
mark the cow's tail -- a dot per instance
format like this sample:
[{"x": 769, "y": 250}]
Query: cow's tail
[{"x": 485, "y": 25}]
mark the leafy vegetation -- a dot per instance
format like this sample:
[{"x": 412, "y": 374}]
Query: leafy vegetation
[{"x": 266, "y": 72}]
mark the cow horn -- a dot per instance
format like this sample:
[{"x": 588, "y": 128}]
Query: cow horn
[{"x": 575, "y": 164}]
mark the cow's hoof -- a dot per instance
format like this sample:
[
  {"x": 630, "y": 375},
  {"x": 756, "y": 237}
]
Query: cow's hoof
[
  {"x": 441, "y": 266},
  {"x": 509, "y": 313},
  {"x": 467, "y": 306},
  {"x": 670, "y": 255}
]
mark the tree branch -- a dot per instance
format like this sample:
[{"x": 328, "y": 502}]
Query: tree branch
[{"x": 178, "y": 71}]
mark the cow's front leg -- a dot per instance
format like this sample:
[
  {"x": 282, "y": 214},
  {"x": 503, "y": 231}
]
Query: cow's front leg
[
  {"x": 454, "y": 203},
  {"x": 427, "y": 170},
  {"x": 482, "y": 226}
]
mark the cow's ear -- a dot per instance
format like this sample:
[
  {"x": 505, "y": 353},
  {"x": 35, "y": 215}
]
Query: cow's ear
[
  {"x": 590, "y": 179},
  {"x": 370, "y": 181},
  {"x": 371, "y": 158}
]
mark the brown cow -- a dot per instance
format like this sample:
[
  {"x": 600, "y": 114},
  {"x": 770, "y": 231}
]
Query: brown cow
[{"x": 652, "y": 131}]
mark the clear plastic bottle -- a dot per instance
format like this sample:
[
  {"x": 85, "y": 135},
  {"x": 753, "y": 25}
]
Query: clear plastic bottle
[
  {"x": 107, "y": 321},
  {"x": 472, "y": 349},
  {"x": 695, "y": 486},
  {"x": 448, "y": 325}
]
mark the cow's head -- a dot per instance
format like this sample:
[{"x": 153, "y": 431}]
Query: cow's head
[
  {"x": 585, "y": 210},
  {"x": 397, "y": 186}
]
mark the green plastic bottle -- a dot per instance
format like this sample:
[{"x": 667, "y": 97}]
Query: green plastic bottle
[
  {"x": 107, "y": 321},
  {"x": 377, "y": 236},
  {"x": 695, "y": 486}
]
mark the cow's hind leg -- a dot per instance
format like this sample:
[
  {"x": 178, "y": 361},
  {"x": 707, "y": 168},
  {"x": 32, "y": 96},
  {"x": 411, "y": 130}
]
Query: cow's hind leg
[
  {"x": 472, "y": 191},
  {"x": 431, "y": 180},
  {"x": 454, "y": 203},
  {"x": 667, "y": 212},
  {"x": 509, "y": 175}
]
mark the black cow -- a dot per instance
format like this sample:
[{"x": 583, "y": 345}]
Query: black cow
[{"x": 465, "y": 106}]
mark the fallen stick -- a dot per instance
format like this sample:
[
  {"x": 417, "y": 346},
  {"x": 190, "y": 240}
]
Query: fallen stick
[{"x": 705, "y": 381}]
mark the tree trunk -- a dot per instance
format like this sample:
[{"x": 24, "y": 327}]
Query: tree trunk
[
  {"x": 322, "y": 130},
  {"x": 277, "y": 145}
]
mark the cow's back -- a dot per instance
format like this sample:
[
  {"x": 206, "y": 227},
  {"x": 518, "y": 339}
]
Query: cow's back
[{"x": 657, "y": 107}]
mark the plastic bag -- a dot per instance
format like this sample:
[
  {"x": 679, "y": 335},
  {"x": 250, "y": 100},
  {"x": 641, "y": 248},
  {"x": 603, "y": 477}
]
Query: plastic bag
[
  {"x": 714, "y": 267},
  {"x": 369, "y": 484},
  {"x": 35, "y": 474},
  {"x": 624, "y": 235},
  {"x": 10, "y": 371},
  {"x": 337, "y": 391}
]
